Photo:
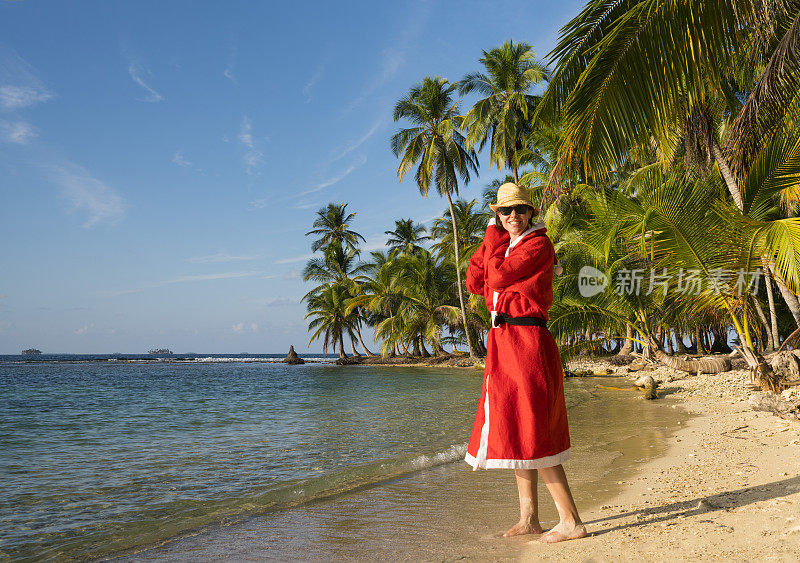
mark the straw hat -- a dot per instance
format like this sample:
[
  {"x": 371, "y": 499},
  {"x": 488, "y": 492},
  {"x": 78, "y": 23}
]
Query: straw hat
[{"x": 510, "y": 194}]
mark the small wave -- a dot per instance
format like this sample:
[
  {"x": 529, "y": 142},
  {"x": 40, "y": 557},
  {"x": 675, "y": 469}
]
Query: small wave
[
  {"x": 451, "y": 454},
  {"x": 215, "y": 360}
]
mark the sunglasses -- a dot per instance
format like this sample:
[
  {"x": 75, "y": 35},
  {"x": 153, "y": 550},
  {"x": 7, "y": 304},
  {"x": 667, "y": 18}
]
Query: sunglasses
[{"x": 521, "y": 209}]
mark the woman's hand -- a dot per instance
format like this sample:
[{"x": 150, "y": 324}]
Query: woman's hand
[{"x": 495, "y": 238}]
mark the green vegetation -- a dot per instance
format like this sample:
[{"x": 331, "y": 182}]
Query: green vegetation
[{"x": 665, "y": 145}]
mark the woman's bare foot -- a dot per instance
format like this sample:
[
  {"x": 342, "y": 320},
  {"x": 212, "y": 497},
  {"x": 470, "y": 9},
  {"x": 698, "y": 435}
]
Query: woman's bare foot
[
  {"x": 563, "y": 531},
  {"x": 524, "y": 527}
]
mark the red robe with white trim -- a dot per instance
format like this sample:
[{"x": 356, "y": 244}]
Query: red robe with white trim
[{"x": 521, "y": 421}]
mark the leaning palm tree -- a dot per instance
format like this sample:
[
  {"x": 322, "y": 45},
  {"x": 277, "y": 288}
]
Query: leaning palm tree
[
  {"x": 503, "y": 115},
  {"x": 333, "y": 225},
  {"x": 436, "y": 145},
  {"x": 406, "y": 236}
]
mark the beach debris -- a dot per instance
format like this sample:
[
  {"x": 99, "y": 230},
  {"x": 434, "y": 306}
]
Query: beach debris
[
  {"x": 649, "y": 385},
  {"x": 711, "y": 364},
  {"x": 786, "y": 367},
  {"x": 292, "y": 358},
  {"x": 705, "y": 505},
  {"x": 774, "y": 403},
  {"x": 588, "y": 372}
]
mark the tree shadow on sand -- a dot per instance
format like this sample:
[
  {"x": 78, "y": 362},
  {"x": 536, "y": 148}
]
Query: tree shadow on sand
[{"x": 727, "y": 500}]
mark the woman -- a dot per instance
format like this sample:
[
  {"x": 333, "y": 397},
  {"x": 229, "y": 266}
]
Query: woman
[{"x": 521, "y": 422}]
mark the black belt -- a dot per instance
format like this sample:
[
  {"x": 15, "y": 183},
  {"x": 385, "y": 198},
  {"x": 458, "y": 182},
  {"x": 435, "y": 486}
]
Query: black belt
[{"x": 502, "y": 318}]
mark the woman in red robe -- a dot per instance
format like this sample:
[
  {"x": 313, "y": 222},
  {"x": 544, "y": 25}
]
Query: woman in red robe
[{"x": 521, "y": 422}]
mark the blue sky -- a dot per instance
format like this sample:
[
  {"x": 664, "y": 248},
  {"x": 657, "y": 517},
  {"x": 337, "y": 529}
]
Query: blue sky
[{"x": 160, "y": 162}]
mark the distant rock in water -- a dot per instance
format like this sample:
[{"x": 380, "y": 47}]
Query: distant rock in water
[
  {"x": 160, "y": 351},
  {"x": 292, "y": 358},
  {"x": 31, "y": 352}
]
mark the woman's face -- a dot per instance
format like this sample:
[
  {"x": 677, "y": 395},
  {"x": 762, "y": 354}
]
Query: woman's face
[{"x": 514, "y": 223}]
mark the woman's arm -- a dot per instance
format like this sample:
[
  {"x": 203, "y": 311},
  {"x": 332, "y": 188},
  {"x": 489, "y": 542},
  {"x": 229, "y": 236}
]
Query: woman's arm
[
  {"x": 476, "y": 271},
  {"x": 502, "y": 271}
]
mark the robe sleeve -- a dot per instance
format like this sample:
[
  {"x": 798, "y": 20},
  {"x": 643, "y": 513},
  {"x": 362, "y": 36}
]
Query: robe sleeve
[
  {"x": 475, "y": 271},
  {"x": 502, "y": 271}
]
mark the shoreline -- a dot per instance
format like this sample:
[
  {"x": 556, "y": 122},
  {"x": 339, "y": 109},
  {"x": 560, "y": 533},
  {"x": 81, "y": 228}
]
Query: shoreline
[
  {"x": 448, "y": 511},
  {"x": 719, "y": 481},
  {"x": 728, "y": 486}
]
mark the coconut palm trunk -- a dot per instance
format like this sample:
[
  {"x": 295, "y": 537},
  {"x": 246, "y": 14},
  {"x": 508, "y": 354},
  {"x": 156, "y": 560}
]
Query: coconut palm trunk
[
  {"x": 361, "y": 341},
  {"x": 773, "y": 317},
  {"x": 458, "y": 276},
  {"x": 730, "y": 181},
  {"x": 789, "y": 297}
]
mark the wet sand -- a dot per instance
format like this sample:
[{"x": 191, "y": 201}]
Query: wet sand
[{"x": 449, "y": 512}]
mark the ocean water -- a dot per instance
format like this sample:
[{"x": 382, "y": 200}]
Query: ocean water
[{"x": 103, "y": 456}]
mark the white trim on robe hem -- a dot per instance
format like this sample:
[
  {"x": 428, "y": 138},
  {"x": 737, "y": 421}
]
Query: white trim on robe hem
[{"x": 538, "y": 463}]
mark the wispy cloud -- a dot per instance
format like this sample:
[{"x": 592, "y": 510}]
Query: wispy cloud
[
  {"x": 282, "y": 302},
  {"x": 219, "y": 258},
  {"x": 393, "y": 57},
  {"x": 245, "y": 132},
  {"x": 374, "y": 242},
  {"x": 353, "y": 146},
  {"x": 391, "y": 61},
  {"x": 319, "y": 72},
  {"x": 228, "y": 72},
  {"x": 240, "y": 328},
  {"x": 84, "y": 329},
  {"x": 180, "y": 160},
  {"x": 17, "y": 97},
  {"x": 19, "y": 132},
  {"x": 87, "y": 193},
  {"x": 308, "y": 204},
  {"x": 338, "y": 178},
  {"x": 253, "y": 157},
  {"x": 138, "y": 72},
  {"x": 292, "y": 275},
  {"x": 19, "y": 85},
  {"x": 293, "y": 259},
  {"x": 183, "y": 279}
]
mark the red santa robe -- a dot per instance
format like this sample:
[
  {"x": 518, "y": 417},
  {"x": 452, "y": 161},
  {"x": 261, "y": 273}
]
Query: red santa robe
[{"x": 521, "y": 421}]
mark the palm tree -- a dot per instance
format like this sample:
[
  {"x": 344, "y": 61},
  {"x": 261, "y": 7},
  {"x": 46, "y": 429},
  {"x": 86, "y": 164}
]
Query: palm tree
[
  {"x": 435, "y": 143},
  {"x": 333, "y": 224},
  {"x": 379, "y": 294},
  {"x": 678, "y": 224},
  {"x": 406, "y": 236},
  {"x": 337, "y": 267},
  {"x": 331, "y": 320},
  {"x": 722, "y": 86},
  {"x": 503, "y": 115},
  {"x": 470, "y": 224},
  {"x": 424, "y": 286}
]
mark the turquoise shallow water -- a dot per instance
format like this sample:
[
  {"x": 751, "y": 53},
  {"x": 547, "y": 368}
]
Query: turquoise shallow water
[{"x": 99, "y": 458}]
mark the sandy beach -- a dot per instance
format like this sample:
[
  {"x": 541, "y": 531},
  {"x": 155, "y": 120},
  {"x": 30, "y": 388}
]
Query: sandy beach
[{"x": 728, "y": 487}]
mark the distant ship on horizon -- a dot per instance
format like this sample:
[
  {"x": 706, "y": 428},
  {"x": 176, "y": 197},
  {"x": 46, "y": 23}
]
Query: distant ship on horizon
[
  {"x": 31, "y": 352},
  {"x": 160, "y": 351}
]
